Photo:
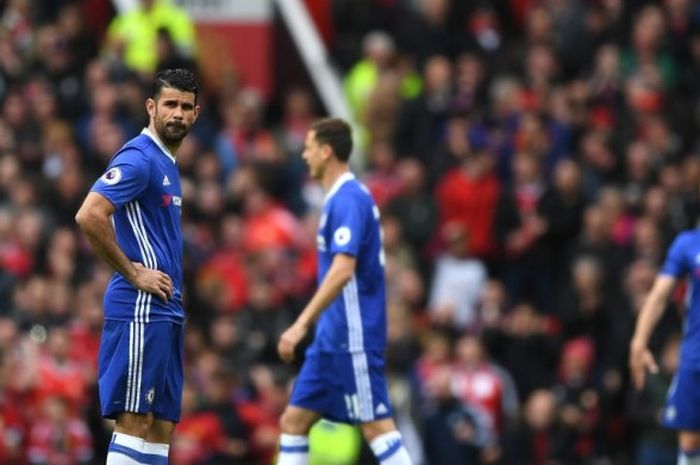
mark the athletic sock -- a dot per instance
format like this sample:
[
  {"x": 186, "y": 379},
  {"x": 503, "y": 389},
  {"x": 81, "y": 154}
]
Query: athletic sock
[
  {"x": 689, "y": 457},
  {"x": 124, "y": 450},
  {"x": 389, "y": 449},
  {"x": 294, "y": 450},
  {"x": 160, "y": 451}
]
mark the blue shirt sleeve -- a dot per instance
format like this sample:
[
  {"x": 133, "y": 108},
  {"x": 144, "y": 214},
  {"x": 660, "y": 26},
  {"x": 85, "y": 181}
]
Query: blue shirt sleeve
[
  {"x": 676, "y": 265},
  {"x": 345, "y": 225},
  {"x": 125, "y": 178}
]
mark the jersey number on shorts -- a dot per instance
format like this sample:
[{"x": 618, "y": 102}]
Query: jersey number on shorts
[{"x": 352, "y": 403}]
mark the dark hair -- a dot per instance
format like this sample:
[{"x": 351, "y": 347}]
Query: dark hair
[
  {"x": 335, "y": 133},
  {"x": 180, "y": 79}
]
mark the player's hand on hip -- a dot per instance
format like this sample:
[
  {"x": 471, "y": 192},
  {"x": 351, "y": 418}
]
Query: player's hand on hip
[
  {"x": 154, "y": 282},
  {"x": 641, "y": 360},
  {"x": 289, "y": 341}
]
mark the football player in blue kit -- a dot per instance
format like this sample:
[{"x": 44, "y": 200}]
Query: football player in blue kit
[
  {"x": 131, "y": 217},
  {"x": 342, "y": 378},
  {"x": 682, "y": 409}
]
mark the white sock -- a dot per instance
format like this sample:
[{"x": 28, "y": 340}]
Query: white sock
[
  {"x": 389, "y": 449},
  {"x": 294, "y": 450},
  {"x": 154, "y": 448},
  {"x": 689, "y": 457},
  {"x": 124, "y": 450}
]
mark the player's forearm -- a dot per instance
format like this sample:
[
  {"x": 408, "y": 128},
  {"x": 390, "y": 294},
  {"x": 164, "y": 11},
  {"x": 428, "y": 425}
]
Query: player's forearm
[
  {"x": 648, "y": 317},
  {"x": 330, "y": 288},
  {"x": 100, "y": 233},
  {"x": 651, "y": 312}
]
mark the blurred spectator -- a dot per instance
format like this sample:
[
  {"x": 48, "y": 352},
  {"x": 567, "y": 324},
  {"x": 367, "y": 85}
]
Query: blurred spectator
[
  {"x": 526, "y": 345},
  {"x": 221, "y": 282},
  {"x": 457, "y": 282},
  {"x": 414, "y": 207},
  {"x": 468, "y": 194},
  {"x": 484, "y": 385},
  {"x": 378, "y": 49},
  {"x": 542, "y": 439},
  {"x": 455, "y": 431},
  {"x": 561, "y": 207},
  {"x": 263, "y": 321},
  {"x": 576, "y": 396},
  {"x": 379, "y": 115},
  {"x": 420, "y": 120},
  {"x": 133, "y": 36},
  {"x": 199, "y": 435},
  {"x": 645, "y": 55},
  {"x": 242, "y": 137},
  {"x": 168, "y": 54},
  {"x": 58, "y": 437},
  {"x": 12, "y": 423},
  {"x": 428, "y": 31},
  {"x": 435, "y": 354},
  {"x": 382, "y": 181},
  {"x": 233, "y": 448},
  {"x": 520, "y": 227}
]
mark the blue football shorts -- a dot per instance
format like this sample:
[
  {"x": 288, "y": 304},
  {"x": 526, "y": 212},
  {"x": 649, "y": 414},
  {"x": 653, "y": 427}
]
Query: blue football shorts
[
  {"x": 140, "y": 368},
  {"x": 682, "y": 409},
  {"x": 343, "y": 387}
]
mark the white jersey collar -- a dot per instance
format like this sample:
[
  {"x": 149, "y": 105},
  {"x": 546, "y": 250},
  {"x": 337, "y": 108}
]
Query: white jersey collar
[
  {"x": 345, "y": 177},
  {"x": 160, "y": 145}
]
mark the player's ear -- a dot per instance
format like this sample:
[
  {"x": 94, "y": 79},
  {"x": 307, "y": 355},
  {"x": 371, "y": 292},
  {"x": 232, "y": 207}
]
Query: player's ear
[
  {"x": 326, "y": 151},
  {"x": 196, "y": 113},
  {"x": 151, "y": 107}
]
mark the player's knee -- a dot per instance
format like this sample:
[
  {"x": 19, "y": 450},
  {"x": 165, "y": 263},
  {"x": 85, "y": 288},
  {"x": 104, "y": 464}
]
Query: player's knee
[
  {"x": 689, "y": 440},
  {"x": 293, "y": 423},
  {"x": 374, "y": 429}
]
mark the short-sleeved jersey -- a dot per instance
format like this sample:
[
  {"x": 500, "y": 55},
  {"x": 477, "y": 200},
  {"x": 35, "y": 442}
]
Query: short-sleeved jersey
[
  {"x": 143, "y": 182},
  {"x": 683, "y": 259},
  {"x": 356, "y": 320}
]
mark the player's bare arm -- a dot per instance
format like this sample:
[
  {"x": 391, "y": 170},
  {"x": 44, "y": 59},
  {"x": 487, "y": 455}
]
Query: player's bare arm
[
  {"x": 641, "y": 358},
  {"x": 339, "y": 274},
  {"x": 94, "y": 220}
]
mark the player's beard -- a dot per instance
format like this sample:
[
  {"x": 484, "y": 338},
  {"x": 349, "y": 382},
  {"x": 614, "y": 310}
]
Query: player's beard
[{"x": 171, "y": 133}]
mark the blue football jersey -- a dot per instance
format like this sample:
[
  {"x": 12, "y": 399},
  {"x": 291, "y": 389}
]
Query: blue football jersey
[
  {"x": 683, "y": 258},
  {"x": 356, "y": 320},
  {"x": 143, "y": 182}
]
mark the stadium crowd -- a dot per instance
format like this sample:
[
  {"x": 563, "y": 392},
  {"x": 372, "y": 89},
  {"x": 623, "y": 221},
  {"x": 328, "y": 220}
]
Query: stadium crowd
[{"x": 532, "y": 159}]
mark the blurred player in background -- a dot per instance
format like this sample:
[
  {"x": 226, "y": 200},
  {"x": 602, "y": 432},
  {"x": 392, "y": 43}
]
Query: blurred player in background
[
  {"x": 682, "y": 409},
  {"x": 342, "y": 378},
  {"x": 132, "y": 219}
]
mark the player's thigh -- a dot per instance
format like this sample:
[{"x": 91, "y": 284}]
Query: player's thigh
[
  {"x": 298, "y": 420},
  {"x": 309, "y": 394},
  {"x": 116, "y": 368},
  {"x": 133, "y": 424},
  {"x": 682, "y": 409},
  {"x": 167, "y": 401},
  {"x": 359, "y": 392},
  {"x": 133, "y": 362},
  {"x": 161, "y": 431}
]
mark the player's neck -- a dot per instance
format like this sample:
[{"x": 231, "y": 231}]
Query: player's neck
[{"x": 332, "y": 173}]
